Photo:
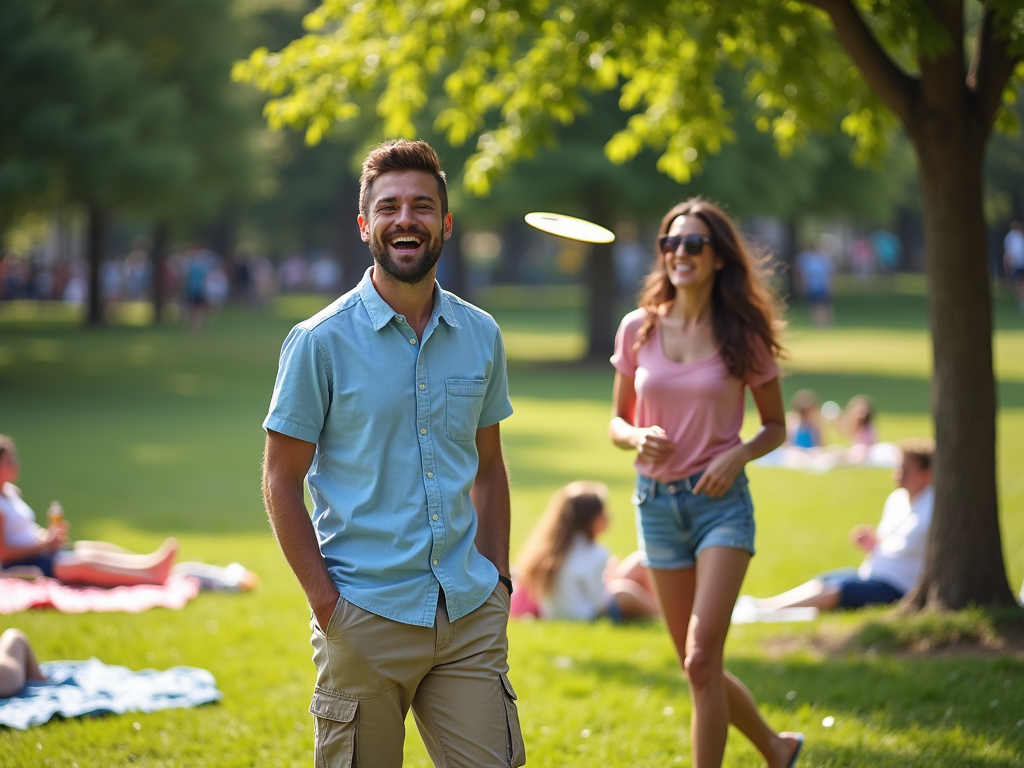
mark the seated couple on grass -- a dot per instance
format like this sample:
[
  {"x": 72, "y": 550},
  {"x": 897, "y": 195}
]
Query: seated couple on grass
[
  {"x": 895, "y": 550},
  {"x": 25, "y": 544}
]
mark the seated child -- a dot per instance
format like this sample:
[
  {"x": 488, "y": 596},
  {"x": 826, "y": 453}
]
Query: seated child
[
  {"x": 803, "y": 425},
  {"x": 857, "y": 423},
  {"x": 569, "y": 574},
  {"x": 95, "y": 563}
]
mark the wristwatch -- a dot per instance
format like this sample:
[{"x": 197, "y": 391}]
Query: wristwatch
[{"x": 507, "y": 582}]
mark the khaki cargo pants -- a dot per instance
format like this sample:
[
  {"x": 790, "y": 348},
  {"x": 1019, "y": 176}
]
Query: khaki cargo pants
[{"x": 371, "y": 670}]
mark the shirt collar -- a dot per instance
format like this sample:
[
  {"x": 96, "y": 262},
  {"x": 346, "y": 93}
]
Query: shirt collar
[{"x": 380, "y": 311}]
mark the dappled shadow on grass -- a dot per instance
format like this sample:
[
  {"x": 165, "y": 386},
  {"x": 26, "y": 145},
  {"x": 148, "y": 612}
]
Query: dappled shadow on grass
[{"x": 897, "y": 711}]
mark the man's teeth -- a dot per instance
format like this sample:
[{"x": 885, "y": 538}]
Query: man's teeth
[{"x": 404, "y": 239}]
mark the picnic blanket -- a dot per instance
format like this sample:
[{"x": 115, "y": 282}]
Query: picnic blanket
[
  {"x": 78, "y": 688},
  {"x": 20, "y": 595},
  {"x": 818, "y": 460}
]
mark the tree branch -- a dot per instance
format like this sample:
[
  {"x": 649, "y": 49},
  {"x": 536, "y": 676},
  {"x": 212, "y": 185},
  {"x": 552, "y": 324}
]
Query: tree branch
[
  {"x": 894, "y": 86},
  {"x": 991, "y": 67}
]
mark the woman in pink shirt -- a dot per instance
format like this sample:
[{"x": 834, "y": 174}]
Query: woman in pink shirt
[{"x": 705, "y": 330}]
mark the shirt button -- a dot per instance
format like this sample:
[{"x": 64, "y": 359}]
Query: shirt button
[
  {"x": 430, "y": 474},
  {"x": 423, "y": 431},
  {"x": 412, "y": 341},
  {"x": 422, "y": 387},
  {"x": 434, "y": 517},
  {"x": 435, "y": 562}
]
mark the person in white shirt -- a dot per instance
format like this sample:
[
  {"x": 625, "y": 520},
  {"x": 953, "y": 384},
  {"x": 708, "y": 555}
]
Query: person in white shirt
[
  {"x": 895, "y": 549},
  {"x": 1013, "y": 260},
  {"x": 24, "y": 543},
  {"x": 573, "y": 577}
]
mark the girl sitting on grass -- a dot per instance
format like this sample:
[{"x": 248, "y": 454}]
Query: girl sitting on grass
[{"x": 570, "y": 575}]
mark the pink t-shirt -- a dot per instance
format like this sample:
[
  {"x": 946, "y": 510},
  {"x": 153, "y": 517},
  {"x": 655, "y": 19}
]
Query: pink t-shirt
[{"x": 699, "y": 405}]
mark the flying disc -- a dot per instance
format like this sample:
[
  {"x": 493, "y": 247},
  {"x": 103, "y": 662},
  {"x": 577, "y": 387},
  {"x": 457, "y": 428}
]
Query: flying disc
[{"x": 570, "y": 227}]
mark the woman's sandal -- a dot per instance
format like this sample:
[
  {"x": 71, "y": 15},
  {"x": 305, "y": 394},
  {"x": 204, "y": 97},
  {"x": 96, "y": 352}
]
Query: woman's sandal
[{"x": 799, "y": 747}]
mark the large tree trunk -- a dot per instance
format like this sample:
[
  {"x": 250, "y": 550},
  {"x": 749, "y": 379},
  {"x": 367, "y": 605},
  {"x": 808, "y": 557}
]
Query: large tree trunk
[
  {"x": 99, "y": 224},
  {"x": 601, "y": 288},
  {"x": 161, "y": 235},
  {"x": 354, "y": 253},
  {"x": 964, "y": 564}
]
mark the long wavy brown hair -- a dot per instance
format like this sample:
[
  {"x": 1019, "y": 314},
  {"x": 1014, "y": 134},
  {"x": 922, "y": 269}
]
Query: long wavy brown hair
[
  {"x": 572, "y": 510},
  {"x": 744, "y": 310}
]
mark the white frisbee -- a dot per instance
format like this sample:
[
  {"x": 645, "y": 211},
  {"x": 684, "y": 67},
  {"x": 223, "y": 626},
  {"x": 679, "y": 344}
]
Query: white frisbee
[{"x": 570, "y": 227}]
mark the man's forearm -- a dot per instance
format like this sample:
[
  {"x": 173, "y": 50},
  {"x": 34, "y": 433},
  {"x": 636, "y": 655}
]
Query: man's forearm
[
  {"x": 289, "y": 519},
  {"x": 490, "y": 497}
]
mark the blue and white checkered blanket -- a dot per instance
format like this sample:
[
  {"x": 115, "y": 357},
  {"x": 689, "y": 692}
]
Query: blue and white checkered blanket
[{"x": 77, "y": 688}]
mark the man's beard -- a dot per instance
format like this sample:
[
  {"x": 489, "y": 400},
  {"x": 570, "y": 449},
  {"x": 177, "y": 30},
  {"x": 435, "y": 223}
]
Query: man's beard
[{"x": 411, "y": 274}]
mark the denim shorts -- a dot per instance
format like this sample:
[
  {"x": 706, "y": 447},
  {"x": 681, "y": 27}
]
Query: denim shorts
[
  {"x": 43, "y": 561},
  {"x": 674, "y": 526},
  {"x": 855, "y": 592}
]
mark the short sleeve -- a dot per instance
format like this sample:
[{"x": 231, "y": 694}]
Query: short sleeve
[
  {"x": 764, "y": 367},
  {"x": 302, "y": 391},
  {"x": 496, "y": 403},
  {"x": 624, "y": 357}
]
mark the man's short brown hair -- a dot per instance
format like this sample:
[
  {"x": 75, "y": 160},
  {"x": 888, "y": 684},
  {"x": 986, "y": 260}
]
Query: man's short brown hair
[
  {"x": 401, "y": 155},
  {"x": 921, "y": 449}
]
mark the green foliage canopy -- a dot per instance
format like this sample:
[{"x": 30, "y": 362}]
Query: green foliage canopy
[{"x": 512, "y": 71}]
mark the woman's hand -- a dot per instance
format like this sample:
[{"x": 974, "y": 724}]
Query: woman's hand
[
  {"x": 53, "y": 539},
  {"x": 722, "y": 472},
  {"x": 652, "y": 443}
]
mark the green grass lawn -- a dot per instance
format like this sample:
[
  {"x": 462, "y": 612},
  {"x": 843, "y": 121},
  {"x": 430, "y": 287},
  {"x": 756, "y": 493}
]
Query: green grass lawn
[{"x": 144, "y": 433}]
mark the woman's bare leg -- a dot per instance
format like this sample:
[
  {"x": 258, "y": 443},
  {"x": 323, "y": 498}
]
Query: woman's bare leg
[
  {"x": 699, "y": 644},
  {"x": 18, "y": 663},
  {"x": 813, "y": 594},
  {"x": 630, "y": 585},
  {"x": 106, "y": 568},
  {"x": 100, "y": 546},
  {"x": 634, "y": 601}
]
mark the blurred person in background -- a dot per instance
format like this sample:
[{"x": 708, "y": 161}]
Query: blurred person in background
[
  {"x": 25, "y": 544},
  {"x": 18, "y": 663},
  {"x": 895, "y": 549},
  {"x": 814, "y": 275},
  {"x": 1013, "y": 261},
  {"x": 888, "y": 251}
]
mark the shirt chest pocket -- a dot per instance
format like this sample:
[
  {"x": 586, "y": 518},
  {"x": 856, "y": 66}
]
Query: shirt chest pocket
[{"x": 464, "y": 399}]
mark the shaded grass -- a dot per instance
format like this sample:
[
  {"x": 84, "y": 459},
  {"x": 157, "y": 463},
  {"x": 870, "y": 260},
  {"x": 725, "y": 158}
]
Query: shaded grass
[{"x": 143, "y": 433}]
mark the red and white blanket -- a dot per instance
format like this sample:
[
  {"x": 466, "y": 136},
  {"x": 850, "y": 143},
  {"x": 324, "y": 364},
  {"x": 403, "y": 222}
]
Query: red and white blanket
[{"x": 20, "y": 595}]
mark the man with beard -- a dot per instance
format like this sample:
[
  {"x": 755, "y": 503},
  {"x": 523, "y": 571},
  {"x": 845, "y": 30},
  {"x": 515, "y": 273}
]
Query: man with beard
[{"x": 387, "y": 403}]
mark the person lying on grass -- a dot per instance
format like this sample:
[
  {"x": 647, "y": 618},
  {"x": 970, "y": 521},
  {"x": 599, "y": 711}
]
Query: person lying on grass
[
  {"x": 96, "y": 563},
  {"x": 895, "y": 550},
  {"x": 18, "y": 663}
]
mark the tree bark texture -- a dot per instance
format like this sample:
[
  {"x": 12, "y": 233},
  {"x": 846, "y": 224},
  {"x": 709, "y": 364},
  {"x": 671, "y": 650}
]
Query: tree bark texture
[
  {"x": 161, "y": 236},
  {"x": 99, "y": 225},
  {"x": 948, "y": 113},
  {"x": 964, "y": 564},
  {"x": 601, "y": 289},
  {"x": 354, "y": 253}
]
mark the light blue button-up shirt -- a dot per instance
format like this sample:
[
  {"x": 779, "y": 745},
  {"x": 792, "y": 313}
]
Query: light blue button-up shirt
[{"x": 394, "y": 419}]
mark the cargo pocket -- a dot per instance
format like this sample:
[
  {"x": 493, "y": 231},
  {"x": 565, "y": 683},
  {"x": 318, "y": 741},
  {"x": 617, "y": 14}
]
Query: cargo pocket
[
  {"x": 464, "y": 401},
  {"x": 335, "y": 730},
  {"x": 516, "y": 749}
]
